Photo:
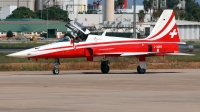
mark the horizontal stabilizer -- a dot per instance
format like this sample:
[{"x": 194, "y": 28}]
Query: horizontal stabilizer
[{"x": 180, "y": 54}]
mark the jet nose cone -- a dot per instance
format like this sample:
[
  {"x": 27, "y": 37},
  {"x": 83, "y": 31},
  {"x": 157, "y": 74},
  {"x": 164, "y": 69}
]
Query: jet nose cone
[{"x": 18, "y": 55}]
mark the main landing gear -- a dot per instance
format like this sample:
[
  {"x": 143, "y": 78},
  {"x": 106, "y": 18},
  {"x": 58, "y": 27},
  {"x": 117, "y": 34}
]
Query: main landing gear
[
  {"x": 56, "y": 69},
  {"x": 104, "y": 66},
  {"x": 140, "y": 70}
]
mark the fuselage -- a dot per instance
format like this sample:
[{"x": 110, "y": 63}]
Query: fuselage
[{"x": 98, "y": 45}]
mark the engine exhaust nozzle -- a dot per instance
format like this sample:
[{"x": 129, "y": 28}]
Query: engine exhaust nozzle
[{"x": 183, "y": 48}]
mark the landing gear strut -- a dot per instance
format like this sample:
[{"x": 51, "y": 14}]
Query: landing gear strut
[
  {"x": 104, "y": 66},
  {"x": 56, "y": 69}
]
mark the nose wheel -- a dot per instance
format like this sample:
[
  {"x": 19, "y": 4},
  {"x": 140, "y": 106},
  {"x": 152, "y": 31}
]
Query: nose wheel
[
  {"x": 104, "y": 67},
  {"x": 56, "y": 69}
]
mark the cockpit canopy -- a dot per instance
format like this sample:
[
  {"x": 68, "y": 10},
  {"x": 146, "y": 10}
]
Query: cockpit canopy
[
  {"x": 80, "y": 26},
  {"x": 78, "y": 29}
]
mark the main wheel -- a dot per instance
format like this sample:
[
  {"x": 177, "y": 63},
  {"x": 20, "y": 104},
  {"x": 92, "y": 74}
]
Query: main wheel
[
  {"x": 141, "y": 70},
  {"x": 105, "y": 68},
  {"x": 55, "y": 71}
]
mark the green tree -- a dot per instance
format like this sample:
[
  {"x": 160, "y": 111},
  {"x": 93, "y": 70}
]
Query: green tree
[
  {"x": 193, "y": 10},
  {"x": 118, "y": 3},
  {"x": 157, "y": 14},
  {"x": 9, "y": 34},
  {"x": 22, "y": 12},
  {"x": 53, "y": 13},
  {"x": 141, "y": 15},
  {"x": 172, "y": 3},
  {"x": 183, "y": 16},
  {"x": 146, "y": 6},
  {"x": 150, "y": 5}
]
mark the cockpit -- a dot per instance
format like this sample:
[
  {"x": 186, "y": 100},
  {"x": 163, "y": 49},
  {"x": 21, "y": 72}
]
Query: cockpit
[
  {"x": 78, "y": 29},
  {"x": 64, "y": 39}
]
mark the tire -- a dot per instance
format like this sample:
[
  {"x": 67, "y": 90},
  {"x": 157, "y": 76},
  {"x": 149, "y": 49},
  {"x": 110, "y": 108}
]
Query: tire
[
  {"x": 105, "y": 68},
  {"x": 140, "y": 70},
  {"x": 55, "y": 71}
]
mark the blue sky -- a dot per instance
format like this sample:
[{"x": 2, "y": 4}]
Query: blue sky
[{"x": 130, "y": 2}]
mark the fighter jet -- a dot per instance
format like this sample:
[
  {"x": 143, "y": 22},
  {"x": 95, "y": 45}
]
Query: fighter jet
[{"x": 163, "y": 41}]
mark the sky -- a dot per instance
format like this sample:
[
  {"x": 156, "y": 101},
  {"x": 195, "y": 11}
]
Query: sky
[{"x": 130, "y": 2}]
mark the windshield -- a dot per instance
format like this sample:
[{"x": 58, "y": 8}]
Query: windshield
[{"x": 64, "y": 39}]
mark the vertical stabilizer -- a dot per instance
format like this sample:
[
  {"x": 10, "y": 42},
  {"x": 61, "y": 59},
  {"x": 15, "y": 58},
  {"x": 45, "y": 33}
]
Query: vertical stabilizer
[{"x": 165, "y": 29}]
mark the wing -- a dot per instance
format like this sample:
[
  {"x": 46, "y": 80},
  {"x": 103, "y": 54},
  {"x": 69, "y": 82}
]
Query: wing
[
  {"x": 123, "y": 54},
  {"x": 126, "y": 54}
]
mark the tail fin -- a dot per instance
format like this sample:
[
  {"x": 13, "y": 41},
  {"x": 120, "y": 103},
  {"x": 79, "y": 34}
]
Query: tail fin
[{"x": 165, "y": 29}]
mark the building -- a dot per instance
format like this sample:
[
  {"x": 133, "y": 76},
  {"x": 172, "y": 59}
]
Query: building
[
  {"x": 32, "y": 27},
  {"x": 26, "y": 3},
  {"x": 6, "y": 11},
  {"x": 124, "y": 17},
  {"x": 96, "y": 19},
  {"x": 130, "y": 10},
  {"x": 159, "y": 4},
  {"x": 72, "y": 6}
]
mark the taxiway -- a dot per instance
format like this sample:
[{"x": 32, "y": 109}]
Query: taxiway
[{"x": 165, "y": 90}]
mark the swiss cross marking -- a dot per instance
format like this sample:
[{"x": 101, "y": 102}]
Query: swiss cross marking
[{"x": 173, "y": 33}]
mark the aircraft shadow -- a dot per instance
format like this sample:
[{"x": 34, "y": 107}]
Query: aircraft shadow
[
  {"x": 79, "y": 73},
  {"x": 131, "y": 73}
]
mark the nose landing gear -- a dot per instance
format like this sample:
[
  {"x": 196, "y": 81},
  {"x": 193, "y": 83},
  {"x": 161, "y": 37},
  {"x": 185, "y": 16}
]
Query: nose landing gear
[{"x": 56, "y": 69}]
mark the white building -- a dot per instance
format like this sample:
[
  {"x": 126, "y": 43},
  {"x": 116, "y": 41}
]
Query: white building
[
  {"x": 130, "y": 10},
  {"x": 6, "y": 11},
  {"x": 74, "y": 6},
  {"x": 96, "y": 19},
  {"x": 26, "y": 3}
]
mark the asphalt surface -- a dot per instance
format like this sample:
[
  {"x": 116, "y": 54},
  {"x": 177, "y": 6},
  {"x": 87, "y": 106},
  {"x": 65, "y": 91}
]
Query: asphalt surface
[
  {"x": 90, "y": 91},
  {"x": 7, "y": 51}
]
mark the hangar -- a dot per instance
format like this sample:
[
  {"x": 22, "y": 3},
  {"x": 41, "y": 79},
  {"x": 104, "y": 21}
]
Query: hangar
[{"x": 32, "y": 27}]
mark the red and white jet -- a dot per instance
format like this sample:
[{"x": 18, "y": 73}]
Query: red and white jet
[{"x": 163, "y": 40}]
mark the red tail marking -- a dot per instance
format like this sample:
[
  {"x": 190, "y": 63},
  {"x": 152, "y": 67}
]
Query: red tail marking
[{"x": 172, "y": 36}]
